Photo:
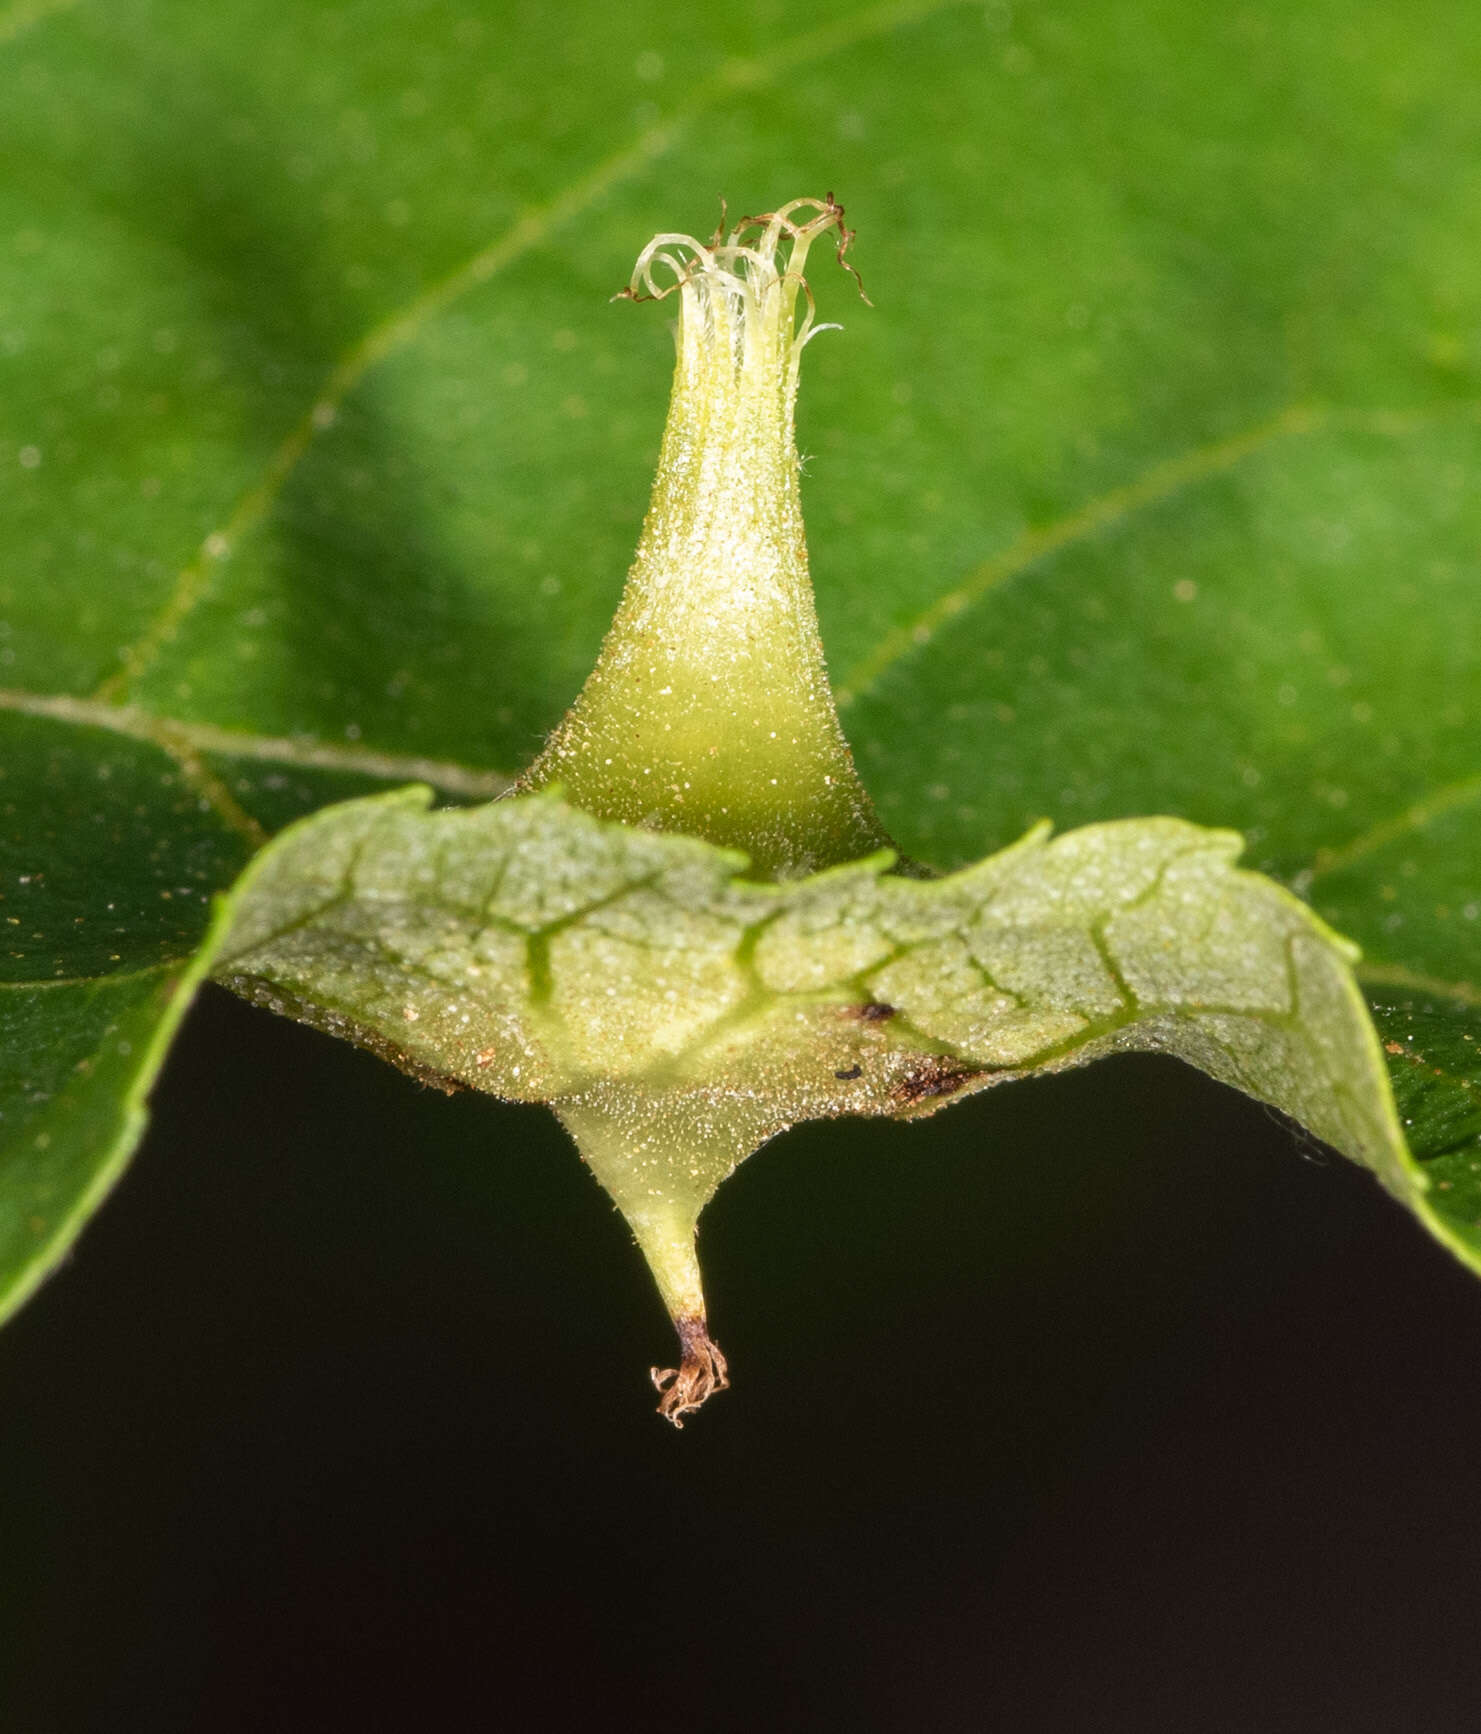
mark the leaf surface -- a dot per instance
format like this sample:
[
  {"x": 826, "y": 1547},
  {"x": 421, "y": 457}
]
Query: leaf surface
[
  {"x": 676, "y": 1015},
  {"x": 1146, "y": 488},
  {"x": 104, "y": 912}
]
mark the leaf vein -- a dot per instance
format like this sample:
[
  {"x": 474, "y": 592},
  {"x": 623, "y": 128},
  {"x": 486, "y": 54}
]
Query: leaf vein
[
  {"x": 1160, "y": 482},
  {"x": 114, "y": 979},
  {"x": 174, "y": 737},
  {"x": 1397, "y": 975},
  {"x": 399, "y": 328},
  {"x": 1449, "y": 798}
]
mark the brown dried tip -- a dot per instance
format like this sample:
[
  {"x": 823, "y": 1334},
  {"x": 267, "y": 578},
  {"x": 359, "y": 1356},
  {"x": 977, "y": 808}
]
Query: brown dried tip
[
  {"x": 845, "y": 241},
  {"x": 698, "y": 1376}
]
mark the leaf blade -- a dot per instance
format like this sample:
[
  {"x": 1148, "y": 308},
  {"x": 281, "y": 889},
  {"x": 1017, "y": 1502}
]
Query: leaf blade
[{"x": 677, "y": 1014}]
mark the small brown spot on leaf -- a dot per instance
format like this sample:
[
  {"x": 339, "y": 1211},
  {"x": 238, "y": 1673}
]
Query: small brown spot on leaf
[{"x": 934, "y": 1075}]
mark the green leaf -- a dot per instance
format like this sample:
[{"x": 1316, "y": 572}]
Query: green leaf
[
  {"x": 677, "y": 1016},
  {"x": 101, "y": 906},
  {"x": 1437, "y": 1084},
  {"x": 1145, "y": 489}
]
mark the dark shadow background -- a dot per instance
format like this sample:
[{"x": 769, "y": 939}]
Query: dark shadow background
[{"x": 1090, "y": 1404}]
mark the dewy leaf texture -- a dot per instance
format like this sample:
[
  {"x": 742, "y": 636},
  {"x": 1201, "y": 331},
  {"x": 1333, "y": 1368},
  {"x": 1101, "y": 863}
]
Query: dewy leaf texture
[{"x": 639, "y": 983}]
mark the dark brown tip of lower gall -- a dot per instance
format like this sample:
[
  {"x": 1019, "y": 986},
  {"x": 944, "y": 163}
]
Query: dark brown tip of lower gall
[{"x": 700, "y": 1374}]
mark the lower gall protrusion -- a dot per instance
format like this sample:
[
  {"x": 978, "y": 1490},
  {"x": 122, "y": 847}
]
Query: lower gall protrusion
[{"x": 660, "y": 1156}]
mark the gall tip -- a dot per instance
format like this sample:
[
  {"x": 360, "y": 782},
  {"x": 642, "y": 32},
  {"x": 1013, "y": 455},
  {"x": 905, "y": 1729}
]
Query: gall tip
[{"x": 699, "y": 1376}]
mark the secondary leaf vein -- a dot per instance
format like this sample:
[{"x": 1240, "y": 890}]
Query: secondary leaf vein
[
  {"x": 1446, "y": 799},
  {"x": 399, "y": 328},
  {"x": 1162, "y": 481},
  {"x": 173, "y": 736}
]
